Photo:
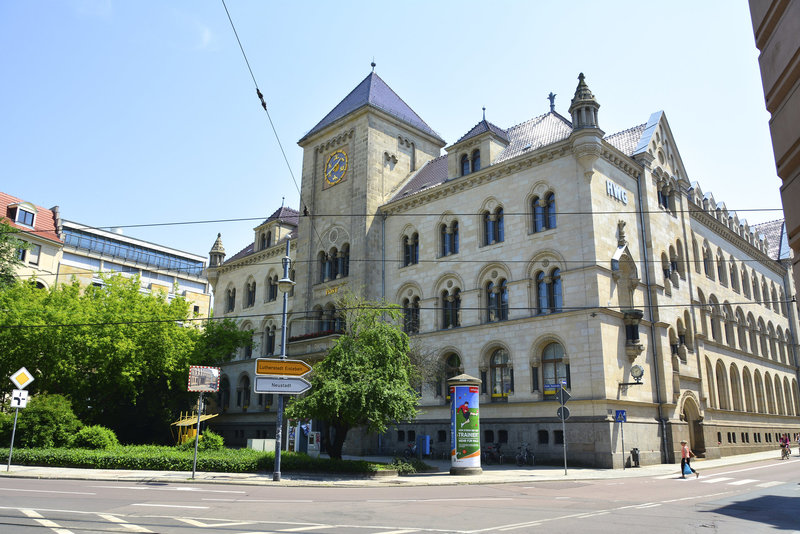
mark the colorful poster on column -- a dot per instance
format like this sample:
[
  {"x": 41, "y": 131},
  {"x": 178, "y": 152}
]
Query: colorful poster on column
[{"x": 465, "y": 427}]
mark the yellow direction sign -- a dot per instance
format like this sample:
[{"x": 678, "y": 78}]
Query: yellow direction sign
[{"x": 277, "y": 367}]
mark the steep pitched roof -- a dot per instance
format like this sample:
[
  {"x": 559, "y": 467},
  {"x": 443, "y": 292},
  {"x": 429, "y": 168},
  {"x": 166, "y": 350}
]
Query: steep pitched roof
[
  {"x": 373, "y": 91},
  {"x": 777, "y": 242},
  {"x": 44, "y": 222},
  {"x": 626, "y": 141},
  {"x": 482, "y": 127},
  {"x": 535, "y": 133},
  {"x": 432, "y": 173},
  {"x": 284, "y": 215}
]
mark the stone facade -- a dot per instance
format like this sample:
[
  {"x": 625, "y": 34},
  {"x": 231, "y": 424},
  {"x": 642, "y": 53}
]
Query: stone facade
[{"x": 579, "y": 258}]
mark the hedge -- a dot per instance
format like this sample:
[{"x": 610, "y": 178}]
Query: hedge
[{"x": 157, "y": 458}]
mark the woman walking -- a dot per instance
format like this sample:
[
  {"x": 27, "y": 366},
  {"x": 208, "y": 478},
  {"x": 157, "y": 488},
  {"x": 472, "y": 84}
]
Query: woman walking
[{"x": 686, "y": 455}]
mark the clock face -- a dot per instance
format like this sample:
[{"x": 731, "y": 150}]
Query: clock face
[{"x": 336, "y": 167}]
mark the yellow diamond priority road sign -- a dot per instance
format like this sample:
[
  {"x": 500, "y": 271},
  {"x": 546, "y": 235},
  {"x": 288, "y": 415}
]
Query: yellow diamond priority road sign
[
  {"x": 278, "y": 367},
  {"x": 22, "y": 378}
]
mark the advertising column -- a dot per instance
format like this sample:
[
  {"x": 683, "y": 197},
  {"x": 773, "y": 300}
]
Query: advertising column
[{"x": 465, "y": 435}]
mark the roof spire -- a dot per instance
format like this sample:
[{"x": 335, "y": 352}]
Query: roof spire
[
  {"x": 552, "y": 98},
  {"x": 584, "y": 106},
  {"x": 373, "y": 64},
  {"x": 484, "y": 112}
]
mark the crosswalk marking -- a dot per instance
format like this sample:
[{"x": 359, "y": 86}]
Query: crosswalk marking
[
  {"x": 55, "y": 527},
  {"x": 742, "y": 482},
  {"x": 715, "y": 480},
  {"x": 123, "y": 523},
  {"x": 769, "y": 484}
]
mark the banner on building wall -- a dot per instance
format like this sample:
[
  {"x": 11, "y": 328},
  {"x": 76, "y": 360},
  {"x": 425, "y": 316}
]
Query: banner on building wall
[{"x": 465, "y": 426}]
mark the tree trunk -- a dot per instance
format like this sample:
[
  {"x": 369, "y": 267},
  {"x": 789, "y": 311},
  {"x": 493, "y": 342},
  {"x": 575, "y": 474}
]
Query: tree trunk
[{"x": 337, "y": 441}]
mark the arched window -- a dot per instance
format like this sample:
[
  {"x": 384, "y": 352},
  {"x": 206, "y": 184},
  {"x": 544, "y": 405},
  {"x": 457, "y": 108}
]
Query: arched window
[
  {"x": 451, "y": 308},
  {"x": 476, "y": 160},
  {"x": 745, "y": 282},
  {"x": 541, "y": 293},
  {"x": 243, "y": 393},
  {"x": 502, "y": 375},
  {"x": 493, "y": 231},
  {"x": 550, "y": 210},
  {"x": 251, "y": 293},
  {"x": 224, "y": 394},
  {"x": 555, "y": 371},
  {"x": 334, "y": 264},
  {"x": 464, "y": 165},
  {"x": 538, "y": 214},
  {"x": 696, "y": 253},
  {"x": 736, "y": 389},
  {"x": 734, "y": 275},
  {"x": 263, "y": 241},
  {"x": 722, "y": 387},
  {"x": 231, "y": 300},
  {"x": 448, "y": 237},
  {"x": 708, "y": 263},
  {"x": 760, "y": 397},
  {"x": 324, "y": 267},
  {"x": 269, "y": 341},
  {"x": 756, "y": 294},
  {"x": 410, "y": 250},
  {"x": 411, "y": 315},
  {"x": 554, "y": 292},
  {"x": 272, "y": 290},
  {"x": 721, "y": 274},
  {"x": 491, "y": 302},
  {"x": 747, "y": 382},
  {"x": 344, "y": 261},
  {"x": 269, "y": 239},
  {"x": 452, "y": 367}
]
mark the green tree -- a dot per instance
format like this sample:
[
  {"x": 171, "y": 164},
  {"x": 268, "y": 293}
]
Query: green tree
[
  {"x": 9, "y": 253},
  {"x": 366, "y": 377},
  {"x": 121, "y": 356},
  {"x": 47, "y": 421}
]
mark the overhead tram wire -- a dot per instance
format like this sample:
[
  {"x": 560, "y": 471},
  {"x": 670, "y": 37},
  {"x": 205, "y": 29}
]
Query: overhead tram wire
[{"x": 264, "y": 105}]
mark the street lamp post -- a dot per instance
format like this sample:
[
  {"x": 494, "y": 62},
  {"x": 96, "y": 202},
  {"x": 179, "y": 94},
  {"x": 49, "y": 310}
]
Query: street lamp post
[{"x": 285, "y": 285}]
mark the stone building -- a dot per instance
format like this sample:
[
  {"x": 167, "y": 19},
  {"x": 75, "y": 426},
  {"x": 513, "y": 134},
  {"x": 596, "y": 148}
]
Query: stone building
[{"x": 531, "y": 257}]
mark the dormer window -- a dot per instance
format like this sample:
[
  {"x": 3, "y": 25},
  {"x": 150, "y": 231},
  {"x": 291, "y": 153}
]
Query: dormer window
[
  {"x": 464, "y": 165},
  {"x": 476, "y": 161},
  {"x": 24, "y": 216}
]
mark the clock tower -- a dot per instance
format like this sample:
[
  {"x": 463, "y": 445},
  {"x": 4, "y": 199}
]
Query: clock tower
[{"x": 354, "y": 160}]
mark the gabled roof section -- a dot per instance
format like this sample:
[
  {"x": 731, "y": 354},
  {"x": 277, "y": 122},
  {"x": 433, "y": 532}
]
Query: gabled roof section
[
  {"x": 284, "y": 215},
  {"x": 432, "y": 173},
  {"x": 626, "y": 141},
  {"x": 647, "y": 134},
  {"x": 44, "y": 220},
  {"x": 246, "y": 251},
  {"x": 373, "y": 91},
  {"x": 483, "y": 127},
  {"x": 535, "y": 133}
]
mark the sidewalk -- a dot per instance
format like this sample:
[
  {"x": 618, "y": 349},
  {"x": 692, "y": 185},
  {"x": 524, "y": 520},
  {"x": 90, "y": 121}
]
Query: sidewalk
[{"x": 492, "y": 474}]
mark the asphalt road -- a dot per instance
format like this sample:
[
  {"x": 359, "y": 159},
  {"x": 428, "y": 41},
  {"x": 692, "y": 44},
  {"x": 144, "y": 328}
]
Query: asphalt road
[{"x": 755, "y": 497}]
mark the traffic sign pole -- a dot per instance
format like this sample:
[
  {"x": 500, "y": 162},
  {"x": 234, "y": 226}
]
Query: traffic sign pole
[
  {"x": 622, "y": 434},
  {"x": 13, "y": 431},
  {"x": 197, "y": 434}
]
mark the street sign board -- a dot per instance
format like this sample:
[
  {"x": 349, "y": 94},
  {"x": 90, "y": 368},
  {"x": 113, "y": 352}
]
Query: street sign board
[
  {"x": 278, "y": 367},
  {"x": 621, "y": 416},
  {"x": 19, "y": 398},
  {"x": 22, "y": 378},
  {"x": 286, "y": 386},
  {"x": 563, "y": 413},
  {"x": 562, "y": 396},
  {"x": 205, "y": 379}
]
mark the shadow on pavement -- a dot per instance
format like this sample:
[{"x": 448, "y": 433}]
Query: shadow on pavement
[{"x": 777, "y": 511}]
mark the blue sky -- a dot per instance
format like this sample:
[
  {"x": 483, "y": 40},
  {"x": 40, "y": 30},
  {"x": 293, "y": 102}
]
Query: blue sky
[{"x": 135, "y": 113}]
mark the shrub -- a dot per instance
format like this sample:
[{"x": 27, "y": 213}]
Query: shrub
[
  {"x": 209, "y": 441},
  {"x": 95, "y": 437},
  {"x": 47, "y": 421}
]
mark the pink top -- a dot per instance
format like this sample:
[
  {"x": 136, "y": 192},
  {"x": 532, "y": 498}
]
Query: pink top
[{"x": 685, "y": 451}]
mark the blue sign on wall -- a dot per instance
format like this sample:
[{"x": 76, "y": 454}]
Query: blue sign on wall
[{"x": 621, "y": 416}]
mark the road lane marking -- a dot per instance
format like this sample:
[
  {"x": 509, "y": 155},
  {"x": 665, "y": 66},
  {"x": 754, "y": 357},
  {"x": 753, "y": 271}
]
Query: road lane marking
[
  {"x": 168, "y": 489},
  {"x": 49, "y": 491},
  {"x": 121, "y": 522},
  {"x": 770, "y": 484},
  {"x": 39, "y": 518},
  {"x": 442, "y": 500},
  {"x": 277, "y": 501},
  {"x": 170, "y": 506},
  {"x": 742, "y": 482},
  {"x": 401, "y": 531},
  {"x": 304, "y": 529},
  {"x": 196, "y": 523}
]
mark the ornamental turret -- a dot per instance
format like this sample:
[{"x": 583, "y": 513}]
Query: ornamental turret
[
  {"x": 217, "y": 254},
  {"x": 583, "y": 107}
]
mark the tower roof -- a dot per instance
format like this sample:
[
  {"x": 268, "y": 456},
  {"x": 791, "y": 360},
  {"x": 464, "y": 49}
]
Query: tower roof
[{"x": 373, "y": 91}]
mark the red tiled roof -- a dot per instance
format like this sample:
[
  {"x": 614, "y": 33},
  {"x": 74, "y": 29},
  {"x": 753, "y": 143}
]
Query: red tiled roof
[{"x": 45, "y": 220}]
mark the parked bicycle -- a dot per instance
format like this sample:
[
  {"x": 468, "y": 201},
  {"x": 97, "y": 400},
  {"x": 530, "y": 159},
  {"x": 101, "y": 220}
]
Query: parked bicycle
[
  {"x": 493, "y": 454},
  {"x": 411, "y": 450},
  {"x": 524, "y": 456}
]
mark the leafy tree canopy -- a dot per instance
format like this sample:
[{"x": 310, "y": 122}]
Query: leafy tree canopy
[
  {"x": 366, "y": 377},
  {"x": 9, "y": 247},
  {"x": 120, "y": 355}
]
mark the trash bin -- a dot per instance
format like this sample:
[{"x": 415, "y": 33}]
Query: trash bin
[{"x": 635, "y": 457}]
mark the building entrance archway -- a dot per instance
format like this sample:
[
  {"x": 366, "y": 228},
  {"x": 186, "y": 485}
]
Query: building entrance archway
[{"x": 691, "y": 414}]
